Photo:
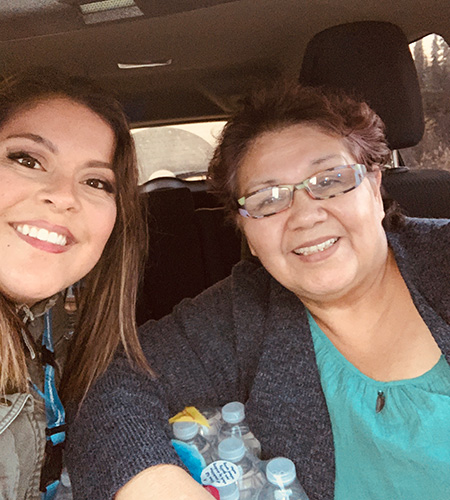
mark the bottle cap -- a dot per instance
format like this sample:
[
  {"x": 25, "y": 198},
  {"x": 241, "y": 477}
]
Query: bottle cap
[
  {"x": 232, "y": 449},
  {"x": 220, "y": 473},
  {"x": 185, "y": 430},
  {"x": 229, "y": 492},
  {"x": 280, "y": 471},
  {"x": 234, "y": 412}
]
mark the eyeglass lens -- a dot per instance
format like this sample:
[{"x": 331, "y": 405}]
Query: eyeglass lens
[{"x": 326, "y": 184}]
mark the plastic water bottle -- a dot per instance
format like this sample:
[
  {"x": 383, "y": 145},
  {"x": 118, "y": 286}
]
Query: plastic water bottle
[
  {"x": 214, "y": 418},
  {"x": 224, "y": 476},
  {"x": 192, "y": 448},
  {"x": 229, "y": 492},
  {"x": 234, "y": 425},
  {"x": 282, "y": 482},
  {"x": 251, "y": 478}
]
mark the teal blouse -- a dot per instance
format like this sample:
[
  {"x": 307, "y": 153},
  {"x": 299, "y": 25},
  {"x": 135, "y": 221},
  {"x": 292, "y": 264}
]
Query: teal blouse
[{"x": 399, "y": 453}]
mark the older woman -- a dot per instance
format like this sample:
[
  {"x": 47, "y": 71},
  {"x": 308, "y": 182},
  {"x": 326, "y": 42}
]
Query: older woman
[{"x": 337, "y": 338}]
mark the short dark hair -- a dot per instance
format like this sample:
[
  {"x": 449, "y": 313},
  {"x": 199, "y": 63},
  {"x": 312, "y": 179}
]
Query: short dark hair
[{"x": 285, "y": 104}]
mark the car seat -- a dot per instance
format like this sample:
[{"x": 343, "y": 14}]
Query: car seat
[
  {"x": 371, "y": 60},
  {"x": 189, "y": 248}
]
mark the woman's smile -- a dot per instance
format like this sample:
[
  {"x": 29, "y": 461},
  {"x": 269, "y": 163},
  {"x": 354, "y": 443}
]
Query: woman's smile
[
  {"x": 45, "y": 236},
  {"x": 314, "y": 248}
]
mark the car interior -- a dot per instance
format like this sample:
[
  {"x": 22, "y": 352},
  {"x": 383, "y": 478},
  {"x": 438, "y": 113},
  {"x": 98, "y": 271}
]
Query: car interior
[{"x": 178, "y": 61}]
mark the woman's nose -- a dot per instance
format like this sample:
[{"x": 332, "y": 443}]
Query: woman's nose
[
  {"x": 305, "y": 211},
  {"x": 60, "y": 191}
]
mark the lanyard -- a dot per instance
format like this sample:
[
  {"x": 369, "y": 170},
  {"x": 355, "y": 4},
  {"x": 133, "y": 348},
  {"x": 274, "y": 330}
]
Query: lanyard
[{"x": 55, "y": 415}]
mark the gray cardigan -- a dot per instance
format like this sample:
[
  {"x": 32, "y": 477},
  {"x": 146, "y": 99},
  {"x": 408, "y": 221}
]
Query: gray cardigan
[{"x": 246, "y": 338}]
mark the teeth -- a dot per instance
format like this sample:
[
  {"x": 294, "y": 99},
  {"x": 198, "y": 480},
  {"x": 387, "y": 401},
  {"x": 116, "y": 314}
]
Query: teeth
[
  {"x": 53, "y": 237},
  {"x": 42, "y": 234},
  {"x": 316, "y": 248}
]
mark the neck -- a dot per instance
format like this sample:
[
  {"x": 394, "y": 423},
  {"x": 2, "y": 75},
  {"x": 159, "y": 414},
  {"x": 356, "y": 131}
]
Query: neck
[{"x": 362, "y": 309}]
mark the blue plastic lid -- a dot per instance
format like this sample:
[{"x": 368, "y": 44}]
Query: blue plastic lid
[
  {"x": 281, "y": 471},
  {"x": 185, "y": 430},
  {"x": 234, "y": 412},
  {"x": 229, "y": 492},
  {"x": 232, "y": 449}
]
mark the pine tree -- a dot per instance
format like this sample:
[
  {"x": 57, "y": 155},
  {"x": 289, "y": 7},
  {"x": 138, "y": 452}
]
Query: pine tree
[
  {"x": 444, "y": 65},
  {"x": 434, "y": 70},
  {"x": 420, "y": 62}
]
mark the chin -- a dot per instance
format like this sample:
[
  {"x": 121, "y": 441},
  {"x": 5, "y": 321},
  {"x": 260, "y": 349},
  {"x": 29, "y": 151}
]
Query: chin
[
  {"x": 329, "y": 289},
  {"x": 30, "y": 295}
]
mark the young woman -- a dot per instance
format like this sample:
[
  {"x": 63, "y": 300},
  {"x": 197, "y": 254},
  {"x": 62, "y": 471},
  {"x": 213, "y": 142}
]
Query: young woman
[{"x": 70, "y": 248}]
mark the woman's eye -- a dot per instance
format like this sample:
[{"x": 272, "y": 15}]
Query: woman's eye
[
  {"x": 100, "y": 184},
  {"x": 329, "y": 181},
  {"x": 264, "y": 203},
  {"x": 269, "y": 201},
  {"x": 25, "y": 159},
  {"x": 326, "y": 182}
]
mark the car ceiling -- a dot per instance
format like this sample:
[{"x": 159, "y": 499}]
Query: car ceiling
[{"x": 216, "y": 48}]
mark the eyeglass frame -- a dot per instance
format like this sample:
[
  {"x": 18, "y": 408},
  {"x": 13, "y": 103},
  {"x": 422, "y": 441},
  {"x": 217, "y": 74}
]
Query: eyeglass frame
[{"x": 360, "y": 173}]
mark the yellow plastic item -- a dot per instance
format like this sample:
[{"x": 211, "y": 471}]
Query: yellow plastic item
[{"x": 190, "y": 414}]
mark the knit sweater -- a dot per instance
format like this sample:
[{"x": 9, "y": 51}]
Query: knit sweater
[{"x": 247, "y": 338}]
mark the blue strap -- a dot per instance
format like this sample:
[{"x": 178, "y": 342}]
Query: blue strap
[
  {"x": 51, "y": 491},
  {"x": 54, "y": 409}
]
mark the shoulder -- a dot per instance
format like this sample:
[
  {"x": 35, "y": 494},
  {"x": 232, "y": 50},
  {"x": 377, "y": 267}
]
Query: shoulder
[
  {"x": 249, "y": 281},
  {"x": 416, "y": 228},
  {"x": 422, "y": 251},
  {"x": 22, "y": 441},
  {"x": 422, "y": 239},
  {"x": 250, "y": 273}
]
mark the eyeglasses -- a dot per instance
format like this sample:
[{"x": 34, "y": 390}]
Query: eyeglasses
[{"x": 321, "y": 186}]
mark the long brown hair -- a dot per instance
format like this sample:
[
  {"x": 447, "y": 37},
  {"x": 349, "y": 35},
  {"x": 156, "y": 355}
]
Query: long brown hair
[{"x": 106, "y": 315}]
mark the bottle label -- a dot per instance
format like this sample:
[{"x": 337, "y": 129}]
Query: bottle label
[{"x": 220, "y": 473}]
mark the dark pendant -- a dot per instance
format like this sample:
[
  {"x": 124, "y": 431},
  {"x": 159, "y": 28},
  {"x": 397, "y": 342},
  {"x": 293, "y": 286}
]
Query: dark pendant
[{"x": 381, "y": 400}]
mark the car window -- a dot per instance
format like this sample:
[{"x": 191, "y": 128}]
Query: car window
[
  {"x": 181, "y": 151},
  {"x": 432, "y": 59}
]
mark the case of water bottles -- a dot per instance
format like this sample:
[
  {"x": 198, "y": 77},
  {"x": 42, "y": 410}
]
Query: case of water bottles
[{"x": 218, "y": 448}]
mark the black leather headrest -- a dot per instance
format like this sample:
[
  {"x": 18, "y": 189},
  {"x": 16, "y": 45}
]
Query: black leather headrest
[{"x": 371, "y": 61}]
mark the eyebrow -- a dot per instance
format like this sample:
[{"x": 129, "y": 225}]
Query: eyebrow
[
  {"x": 51, "y": 147},
  {"x": 100, "y": 164},
  {"x": 35, "y": 138},
  {"x": 273, "y": 182},
  {"x": 324, "y": 159}
]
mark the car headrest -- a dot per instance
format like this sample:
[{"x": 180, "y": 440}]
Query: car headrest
[
  {"x": 158, "y": 183},
  {"x": 370, "y": 60}
]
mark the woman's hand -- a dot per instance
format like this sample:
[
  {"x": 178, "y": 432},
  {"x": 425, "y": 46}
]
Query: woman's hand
[{"x": 163, "y": 481}]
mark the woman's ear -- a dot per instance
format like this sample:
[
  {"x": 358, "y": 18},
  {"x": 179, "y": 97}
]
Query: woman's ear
[
  {"x": 375, "y": 179},
  {"x": 250, "y": 248},
  {"x": 246, "y": 251},
  {"x": 246, "y": 247}
]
